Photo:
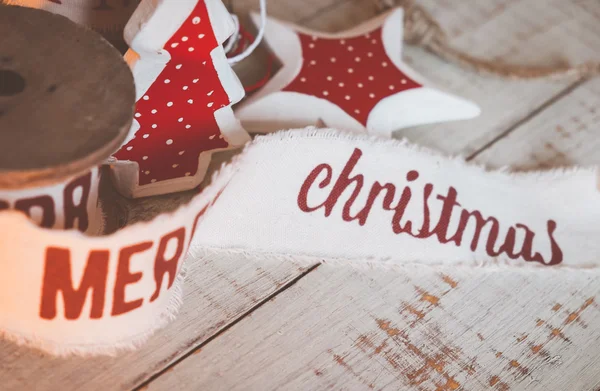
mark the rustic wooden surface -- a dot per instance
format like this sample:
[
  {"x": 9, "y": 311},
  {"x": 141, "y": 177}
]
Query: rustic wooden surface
[{"x": 254, "y": 324}]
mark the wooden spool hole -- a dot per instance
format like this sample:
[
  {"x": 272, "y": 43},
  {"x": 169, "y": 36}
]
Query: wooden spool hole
[{"x": 11, "y": 83}]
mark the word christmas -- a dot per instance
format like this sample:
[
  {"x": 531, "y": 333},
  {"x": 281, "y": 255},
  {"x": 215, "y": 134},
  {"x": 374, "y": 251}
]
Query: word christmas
[{"x": 321, "y": 177}]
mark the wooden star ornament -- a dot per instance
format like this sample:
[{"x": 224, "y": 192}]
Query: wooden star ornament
[
  {"x": 185, "y": 89},
  {"x": 355, "y": 81}
]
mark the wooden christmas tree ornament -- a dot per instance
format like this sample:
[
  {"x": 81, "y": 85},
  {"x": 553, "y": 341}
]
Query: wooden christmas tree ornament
[
  {"x": 185, "y": 89},
  {"x": 60, "y": 118}
]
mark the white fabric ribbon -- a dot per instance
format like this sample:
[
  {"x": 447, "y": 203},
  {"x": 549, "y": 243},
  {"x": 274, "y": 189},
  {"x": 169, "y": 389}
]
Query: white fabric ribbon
[
  {"x": 327, "y": 194},
  {"x": 307, "y": 193}
]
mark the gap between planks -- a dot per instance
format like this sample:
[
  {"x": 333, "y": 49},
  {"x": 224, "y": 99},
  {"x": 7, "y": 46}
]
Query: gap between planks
[
  {"x": 534, "y": 113},
  {"x": 509, "y": 128},
  {"x": 218, "y": 333},
  {"x": 144, "y": 384}
]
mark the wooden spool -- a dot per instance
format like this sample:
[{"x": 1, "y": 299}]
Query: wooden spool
[{"x": 66, "y": 98}]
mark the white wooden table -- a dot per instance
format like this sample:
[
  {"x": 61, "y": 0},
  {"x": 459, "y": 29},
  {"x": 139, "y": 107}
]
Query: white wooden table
[{"x": 305, "y": 326}]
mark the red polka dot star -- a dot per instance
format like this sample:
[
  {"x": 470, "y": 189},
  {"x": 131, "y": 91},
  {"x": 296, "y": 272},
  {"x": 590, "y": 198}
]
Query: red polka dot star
[{"x": 354, "y": 81}]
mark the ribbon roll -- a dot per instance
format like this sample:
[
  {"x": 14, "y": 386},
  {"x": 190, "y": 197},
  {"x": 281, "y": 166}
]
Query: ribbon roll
[
  {"x": 66, "y": 286},
  {"x": 65, "y": 292}
]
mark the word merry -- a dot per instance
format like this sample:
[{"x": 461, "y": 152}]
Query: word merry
[
  {"x": 494, "y": 245},
  {"x": 73, "y": 213},
  {"x": 58, "y": 279}
]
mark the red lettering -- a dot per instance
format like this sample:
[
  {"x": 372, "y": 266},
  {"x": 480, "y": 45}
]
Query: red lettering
[
  {"x": 345, "y": 180},
  {"x": 449, "y": 202},
  {"x": 342, "y": 183},
  {"x": 57, "y": 277},
  {"x": 399, "y": 213},
  {"x": 125, "y": 277},
  {"x": 390, "y": 193},
  {"x": 397, "y": 227},
  {"x": 480, "y": 222},
  {"x": 556, "y": 252},
  {"x": 310, "y": 180},
  {"x": 508, "y": 247},
  {"x": 45, "y": 203},
  {"x": 388, "y": 198},
  {"x": 424, "y": 232},
  {"x": 77, "y": 212},
  {"x": 163, "y": 265}
]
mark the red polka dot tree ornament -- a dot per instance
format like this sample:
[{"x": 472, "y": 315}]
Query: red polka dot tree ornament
[
  {"x": 355, "y": 80},
  {"x": 185, "y": 87}
]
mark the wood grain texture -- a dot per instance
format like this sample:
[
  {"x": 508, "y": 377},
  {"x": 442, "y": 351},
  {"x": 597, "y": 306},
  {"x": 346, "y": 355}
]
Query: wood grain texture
[
  {"x": 567, "y": 133},
  {"x": 416, "y": 328},
  {"x": 410, "y": 328},
  {"x": 72, "y": 110},
  {"x": 217, "y": 291},
  {"x": 534, "y": 32}
]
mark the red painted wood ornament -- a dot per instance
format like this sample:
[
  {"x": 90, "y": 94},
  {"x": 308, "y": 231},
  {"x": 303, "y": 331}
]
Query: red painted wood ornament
[
  {"x": 355, "y": 80},
  {"x": 185, "y": 89}
]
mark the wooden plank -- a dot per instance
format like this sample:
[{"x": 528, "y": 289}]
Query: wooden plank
[
  {"x": 410, "y": 328},
  {"x": 420, "y": 328},
  {"x": 567, "y": 133},
  {"x": 522, "y": 32},
  {"x": 473, "y": 25},
  {"x": 217, "y": 291}
]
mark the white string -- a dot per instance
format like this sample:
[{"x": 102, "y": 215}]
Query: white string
[
  {"x": 233, "y": 40},
  {"x": 261, "y": 32}
]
